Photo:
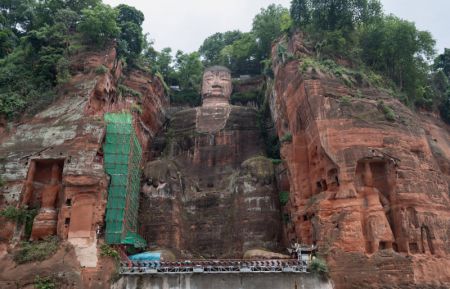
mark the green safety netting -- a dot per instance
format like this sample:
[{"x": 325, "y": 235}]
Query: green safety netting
[{"x": 122, "y": 158}]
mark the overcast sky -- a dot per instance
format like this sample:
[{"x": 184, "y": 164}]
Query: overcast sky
[{"x": 183, "y": 25}]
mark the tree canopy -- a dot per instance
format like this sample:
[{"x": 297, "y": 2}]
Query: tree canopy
[{"x": 38, "y": 37}]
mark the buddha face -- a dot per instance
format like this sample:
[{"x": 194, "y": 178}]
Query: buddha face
[{"x": 216, "y": 84}]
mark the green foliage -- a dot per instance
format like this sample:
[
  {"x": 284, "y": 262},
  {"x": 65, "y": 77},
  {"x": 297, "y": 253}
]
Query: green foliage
[
  {"x": 38, "y": 37},
  {"x": 36, "y": 251},
  {"x": 98, "y": 25},
  {"x": 445, "y": 107},
  {"x": 17, "y": 15},
  {"x": 245, "y": 97},
  {"x": 108, "y": 251},
  {"x": 2, "y": 182},
  {"x": 101, "y": 69},
  {"x": 163, "y": 61},
  {"x": 126, "y": 91},
  {"x": 131, "y": 40},
  {"x": 62, "y": 70},
  {"x": 442, "y": 62},
  {"x": 244, "y": 52},
  {"x": 137, "y": 108},
  {"x": 267, "y": 26},
  {"x": 188, "y": 70},
  {"x": 328, "y": 15},
  {"x": 18, "y": 215},
  {"x": 286, "y": 138},
  {"x": 212, "y": 46},
  {"x": 395, "y": 48},
  {"x": 389, "y": 113},
  {"x": 346, "y": 100},
  {"x": 44, "y": 283},
  {"x": 301, "y": 12},
  {"x": 319, "y": 266},
  {"x": 284, "y": 198},
  {"x": 350, "y": 77},
  {"x": 129, "y": 14},
  {"x": 277, "y": 161},
  {"x": 161, "y": 78},
  {"x": 8, "y": 41},
  {"x": 241, "y": 56},
  {"x": 190, "y": 97}
]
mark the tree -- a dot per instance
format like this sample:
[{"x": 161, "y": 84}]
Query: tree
[
  {"x": 189, "y": 70},
  {"x": 163, "y": 63},
  {"x": 343, "y": 14},
  {"x": 8, "y": 41},
  {"x": 18, "y": 15},
  {"x": 241, "y": 56},
  {"x": 334, "y": 14},
  {"x": 213, "y": 45},
  {"x": 442, "y": 62},
  {"x": 99, "y": 25},
  {"x": 131, "y": 39},
  {"x": 301, "y": 12},
  {"x": 268, "y": 26},
  {"x": 397, "y": 49},
  {"x": 445, "y": 107},
  {"x": 129, "y": 14},
  {"x": 68, "y": 18}
]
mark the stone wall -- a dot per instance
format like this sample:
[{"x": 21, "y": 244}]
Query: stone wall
[{"x": 224, "y": 281}]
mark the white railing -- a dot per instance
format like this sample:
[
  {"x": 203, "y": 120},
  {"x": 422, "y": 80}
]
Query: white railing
[{"x": 214, "y": 266}]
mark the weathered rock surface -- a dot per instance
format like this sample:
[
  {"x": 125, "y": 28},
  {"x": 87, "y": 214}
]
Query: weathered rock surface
[
  {"x": 371, "y": 193},
  {"x": 54, "y": 161},
  {"x": 209, "y": 194}
]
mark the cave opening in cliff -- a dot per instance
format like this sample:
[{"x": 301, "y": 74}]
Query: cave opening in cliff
[
  {"x": 42, "y": 174},
  {"x": 42, "y": 192}
]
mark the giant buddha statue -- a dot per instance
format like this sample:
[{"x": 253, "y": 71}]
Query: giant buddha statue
[
  {"x": 210, "y": 192},
  {"x": 216, "y": 86}
]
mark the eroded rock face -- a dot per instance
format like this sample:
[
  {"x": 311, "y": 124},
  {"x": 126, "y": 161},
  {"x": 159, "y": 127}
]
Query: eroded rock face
[
  {"x": 54, "y": 161},
  {"x": 211, "y": 193},
  {"x": 372, "y": 194}
]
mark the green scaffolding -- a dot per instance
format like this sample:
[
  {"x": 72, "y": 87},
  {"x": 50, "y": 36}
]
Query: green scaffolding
[{"x": 123, "y": 155}]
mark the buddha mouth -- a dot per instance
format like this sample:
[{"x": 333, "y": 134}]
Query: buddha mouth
[{"x": 216, "y": 89}]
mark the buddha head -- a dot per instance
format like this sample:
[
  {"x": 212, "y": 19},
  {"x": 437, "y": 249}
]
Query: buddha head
[{"x": 216, "y": 86}]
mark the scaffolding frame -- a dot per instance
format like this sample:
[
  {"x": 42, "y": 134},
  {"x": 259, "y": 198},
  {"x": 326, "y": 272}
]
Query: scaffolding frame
[{"x": 122, "y": 161}]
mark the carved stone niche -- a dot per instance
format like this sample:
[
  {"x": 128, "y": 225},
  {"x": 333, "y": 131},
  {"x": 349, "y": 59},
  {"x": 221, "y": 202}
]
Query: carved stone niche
[
  {"x": 413, "y": 234},
  {"x": 81, "y": 220},
  {"x": 375, "y": 182},
  {"x": 43, "y": 191}
]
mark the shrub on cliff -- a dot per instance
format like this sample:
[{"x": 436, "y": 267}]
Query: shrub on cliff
[
  {"x": 286, "y": 138},
  {"x": 36, "y": 251},
  {"x": 18, "y": 215},
  {"x": 108, "y": 251},
  {"x": 44, "y": 283},
  {"x": 388, "y": 112},
  {"x": 319, "y": 266}
]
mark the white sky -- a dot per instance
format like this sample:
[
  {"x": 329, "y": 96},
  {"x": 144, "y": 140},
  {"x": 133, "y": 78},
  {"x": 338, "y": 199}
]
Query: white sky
[{"x": 184, "y": 24}]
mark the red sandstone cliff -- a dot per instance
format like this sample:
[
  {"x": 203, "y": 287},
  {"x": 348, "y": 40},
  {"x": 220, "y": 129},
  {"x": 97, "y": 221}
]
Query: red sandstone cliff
[
  {"x": 54, "y": 161},
  {"x": 373, "y": 194}
]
